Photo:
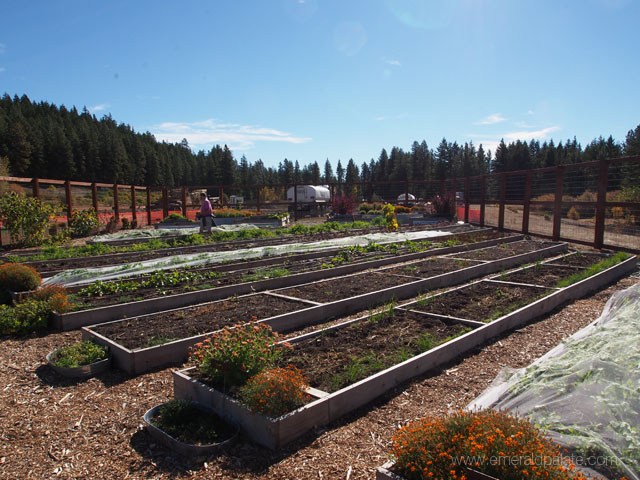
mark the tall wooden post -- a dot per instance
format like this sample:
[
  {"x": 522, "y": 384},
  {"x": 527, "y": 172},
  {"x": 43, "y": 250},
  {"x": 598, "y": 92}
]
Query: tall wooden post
[
  {"x": 165, "y": 203},
  {"x": 36, "y": 188},
  {"x": 184, "y": 202},
  {"x": 94, "y": 196},
  {"x": 527, "y": 203},
  {"x": 134, "y": 214},
  {"x": 258, "y": 199},
  {"x": 483, "y": 198},
  {"x": 603, "y": 180},
  {"x": 148, "y": 205},
  {"x": 557, "y": 206},
  {"x": 406, "y": 193},
  {"x": 116, "y": 202},
  {"x": 295, "y": 202},
  {"x": 467, "y": 193},
  {"x": 67, "y": 191},
  {"x": 503, "y": 197}
]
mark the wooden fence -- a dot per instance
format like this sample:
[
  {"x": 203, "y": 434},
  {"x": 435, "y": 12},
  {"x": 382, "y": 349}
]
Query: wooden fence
[{"x": 595, "y": 203}]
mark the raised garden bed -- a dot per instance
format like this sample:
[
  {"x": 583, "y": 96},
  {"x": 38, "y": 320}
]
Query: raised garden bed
[
  {"x": 328, "y": 407},
  {"x": 503, "y": 250},
  {"x": 482, "y": 301},
  {"x": 141, "y": 360},
  {"x": 192, "y": 420},
  {"x": 429, "y": 268},
  {"x": 77, "y": 319},
  {"x": 50, "y": 267},
  {"x": 544, "y": 274}
]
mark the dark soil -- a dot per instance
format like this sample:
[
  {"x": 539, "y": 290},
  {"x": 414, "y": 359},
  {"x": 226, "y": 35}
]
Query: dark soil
[
  {"x": 344, "y": 287},
  {"x": 579, "y": 260},
  {"x": 482, "y": 301},
  {"x": 431, "y": 267},
  {"x": 340, "y": 357},
  {"x": 187, "y": 322},
  {"x": 545, "y": 275},
  {"x": 503, "y": 250}
]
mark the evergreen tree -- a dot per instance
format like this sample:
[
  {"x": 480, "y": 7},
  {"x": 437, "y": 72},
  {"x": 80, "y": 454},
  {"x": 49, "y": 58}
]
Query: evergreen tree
[{"x": 328, "y": 172}]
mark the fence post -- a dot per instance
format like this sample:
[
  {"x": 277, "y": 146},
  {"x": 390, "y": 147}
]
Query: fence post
[
  {"x": 148, "y": 205},
  {"x": 603, "y": 179},
  {"x": 116, "y": 202},
  {"x": 36, "y": 188},
  {"x": 134, "y": 215},
  {"x": 503, "y": 196},
  {"x": 184, "y": 202},
  {"x": 442, "y": 188},
  {"x": 557, "y": 206},
  {"x": 221, "y": 196},
  {"x": 94, "y": 196},
  {"x": 295, "y": 201},
  {"x": 67, "y": 191},
  {"x": 258, "y": 199},
  {"x": 527, "y": 203},
  {"x": 467, "y": 193},
  {"x": 165, "y": 203},
  {"x": 483, "y": 198}
]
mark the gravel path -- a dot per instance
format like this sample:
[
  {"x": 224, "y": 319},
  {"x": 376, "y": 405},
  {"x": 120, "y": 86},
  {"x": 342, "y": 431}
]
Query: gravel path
[{"x": 54, "y": 428}]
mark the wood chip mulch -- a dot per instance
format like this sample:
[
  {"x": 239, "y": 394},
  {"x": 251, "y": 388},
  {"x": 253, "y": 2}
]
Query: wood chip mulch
[{"x": 51, "y": 427}]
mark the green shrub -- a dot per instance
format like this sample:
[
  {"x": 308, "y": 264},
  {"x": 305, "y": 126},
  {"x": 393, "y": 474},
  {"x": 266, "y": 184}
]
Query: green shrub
[
  {"x": 26, "y": 317},
  {"x": 125, "y": 223},
  {"x": 275, "y": 392},
  {"x": 16, "y": 277},
  {"x": 78, "y": 354},
  {"x": 83, "y": 223},
  {"x": 26, "y": 218}
]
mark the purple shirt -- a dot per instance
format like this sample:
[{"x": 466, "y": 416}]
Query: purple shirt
[{"x": 206, "y": 209}]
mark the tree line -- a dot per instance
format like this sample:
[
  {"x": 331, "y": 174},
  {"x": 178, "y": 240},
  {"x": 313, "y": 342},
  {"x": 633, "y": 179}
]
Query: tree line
[{"x": 39, "y": 139}]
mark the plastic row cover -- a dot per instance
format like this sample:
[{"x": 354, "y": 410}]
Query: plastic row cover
[
  {"x": 586, "y": 391},
  {"x": 167, "y": 232},
  {"x": 88, "y": 275}
]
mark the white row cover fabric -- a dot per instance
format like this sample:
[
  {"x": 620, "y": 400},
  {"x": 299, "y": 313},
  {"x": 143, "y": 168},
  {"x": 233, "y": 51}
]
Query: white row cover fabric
[
  {"x": 586, "y": 391},
  {"x": 167, "y": 232},
  {"x": 88, "y": 275}
]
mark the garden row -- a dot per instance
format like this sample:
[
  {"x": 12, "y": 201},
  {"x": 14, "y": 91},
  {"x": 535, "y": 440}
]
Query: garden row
[
  {"x": 350, "y": 364},
  {"x": 153, "y": 340},
  {"x": 52, "y": 260}
]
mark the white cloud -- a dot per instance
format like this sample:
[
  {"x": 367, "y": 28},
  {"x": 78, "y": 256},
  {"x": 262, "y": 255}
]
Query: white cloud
[
  {"x": 210, "y": 132},
  {"x": 99, "y": 108},
  {"x": 399, "y": 116},
  {"x": 395, "y": 63},
  {"x": 530, "y": 112},
  {"x": 491, "y": 119},
  {"x": 509, "y": 137},
  {"x": 2, "y": 69},
  {"x": 529, "y": 135}
]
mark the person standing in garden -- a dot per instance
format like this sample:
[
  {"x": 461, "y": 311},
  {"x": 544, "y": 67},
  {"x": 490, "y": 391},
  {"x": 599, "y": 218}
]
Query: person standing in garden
[{"x": 206, "y": 214}]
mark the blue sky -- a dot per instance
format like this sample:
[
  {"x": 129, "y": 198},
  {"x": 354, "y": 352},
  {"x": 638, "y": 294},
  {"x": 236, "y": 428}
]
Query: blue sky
[{"x": 314, "y": 79}]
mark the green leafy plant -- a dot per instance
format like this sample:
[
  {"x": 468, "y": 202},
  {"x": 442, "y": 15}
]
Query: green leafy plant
[
  {"x": 485, "y": 441},
  {"x": 276, "y": 391},
  {"x": 125, "y": 223},
  {"x": 83, "y": 223},
  {"x": 78, "y": 354},
  {"x": 233, "y": 355},
  {"x": 26, "y": 218},
  {"x": 265, "y": 274},
  {"x": 26, "y": 317},
  {"x": 189, "y": 424},
  {"x": 593, "y": 269}
]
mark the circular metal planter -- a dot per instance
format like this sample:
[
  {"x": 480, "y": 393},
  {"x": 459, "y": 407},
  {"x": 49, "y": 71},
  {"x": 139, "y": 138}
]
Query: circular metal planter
[
  {"x": 83, "y": 371},
  {"x": 188, "y": 449}
]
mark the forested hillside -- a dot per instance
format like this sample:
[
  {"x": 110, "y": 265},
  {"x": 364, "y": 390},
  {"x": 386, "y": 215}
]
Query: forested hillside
[{"x": 46, "y": 141}]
